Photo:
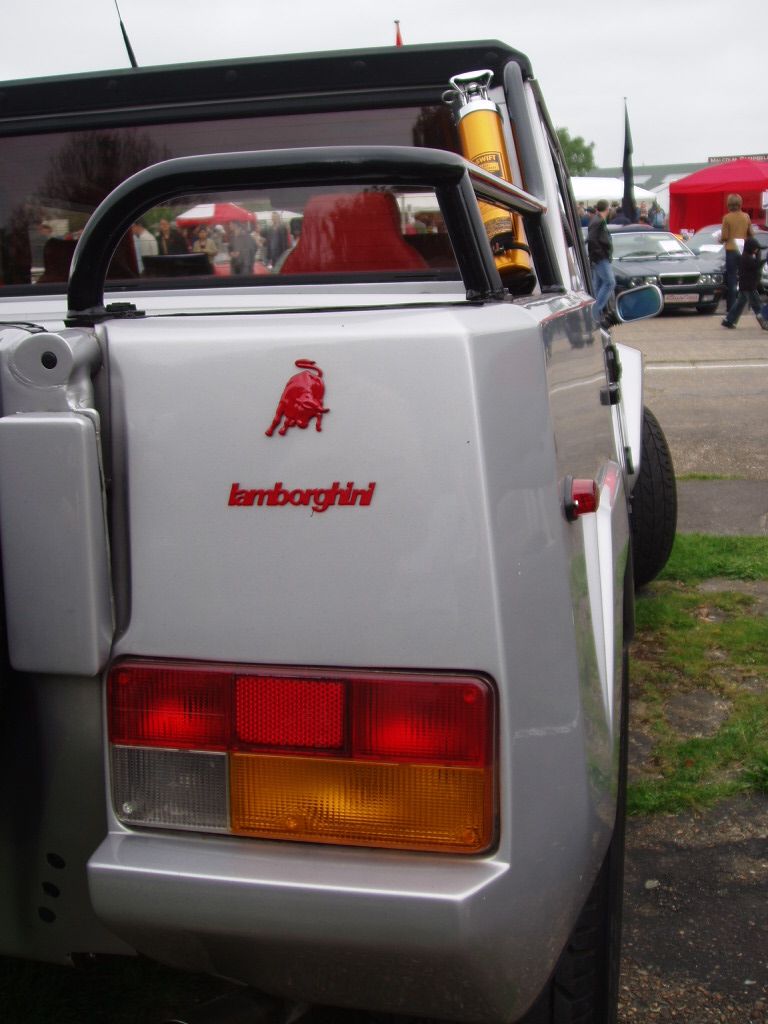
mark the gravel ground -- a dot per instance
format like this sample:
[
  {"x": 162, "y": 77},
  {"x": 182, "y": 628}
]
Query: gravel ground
[{"x": 695, "y": 926}]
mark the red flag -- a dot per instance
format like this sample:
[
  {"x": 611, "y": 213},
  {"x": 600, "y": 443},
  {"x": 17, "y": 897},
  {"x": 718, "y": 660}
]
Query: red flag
[{"x": 398, "y": 37}]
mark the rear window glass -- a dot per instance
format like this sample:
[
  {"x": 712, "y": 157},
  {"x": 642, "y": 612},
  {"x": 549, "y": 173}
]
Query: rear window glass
[
  {"x": 286, "y": 233},
  {"x": 51, "y": 183}
]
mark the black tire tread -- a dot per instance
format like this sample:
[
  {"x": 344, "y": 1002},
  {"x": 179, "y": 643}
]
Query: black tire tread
[{"x": 653, "y": 517}]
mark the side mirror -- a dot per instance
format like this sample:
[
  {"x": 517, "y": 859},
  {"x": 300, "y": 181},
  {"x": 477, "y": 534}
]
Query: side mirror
[{"x": 639, "y": 303}]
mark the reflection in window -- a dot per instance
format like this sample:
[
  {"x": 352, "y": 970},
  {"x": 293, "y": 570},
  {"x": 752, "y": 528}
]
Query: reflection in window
[
  {"x": 51, "y": 183},
  {"x": 291, "y": 232}
]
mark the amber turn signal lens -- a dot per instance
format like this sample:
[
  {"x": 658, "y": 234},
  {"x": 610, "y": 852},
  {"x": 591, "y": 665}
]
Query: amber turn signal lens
[{"x": 362, "y": 803}]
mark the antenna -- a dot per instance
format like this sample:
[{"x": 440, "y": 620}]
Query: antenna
[{"x": 126, "y": 40}]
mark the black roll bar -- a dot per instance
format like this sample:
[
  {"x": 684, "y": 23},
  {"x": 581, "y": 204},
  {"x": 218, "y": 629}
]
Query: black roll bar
[{"x": 456, "y": 183}]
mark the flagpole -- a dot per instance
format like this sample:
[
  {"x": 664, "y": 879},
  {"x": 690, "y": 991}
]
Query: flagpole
[{"x": 628, "y": 207}]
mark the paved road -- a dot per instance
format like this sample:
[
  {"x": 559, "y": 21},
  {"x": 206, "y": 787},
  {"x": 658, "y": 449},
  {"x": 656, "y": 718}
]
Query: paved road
[{"x": 709, "y": 388}]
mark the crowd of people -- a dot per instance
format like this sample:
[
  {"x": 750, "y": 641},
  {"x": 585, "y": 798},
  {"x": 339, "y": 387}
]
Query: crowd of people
[
  {"x": 646, "y": 216},
  {"x": 243, "y": 247}
]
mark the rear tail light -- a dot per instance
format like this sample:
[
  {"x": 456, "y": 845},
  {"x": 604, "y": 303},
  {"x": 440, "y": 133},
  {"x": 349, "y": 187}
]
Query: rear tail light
[{"x": 364, "y": 759}]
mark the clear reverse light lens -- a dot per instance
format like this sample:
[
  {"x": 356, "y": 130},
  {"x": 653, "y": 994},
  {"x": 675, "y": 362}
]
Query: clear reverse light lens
[{"x": 170, "y": 788}]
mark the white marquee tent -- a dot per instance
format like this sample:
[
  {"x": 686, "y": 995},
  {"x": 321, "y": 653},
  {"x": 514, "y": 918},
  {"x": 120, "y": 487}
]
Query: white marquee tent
[{"x": 589, "y": 190}]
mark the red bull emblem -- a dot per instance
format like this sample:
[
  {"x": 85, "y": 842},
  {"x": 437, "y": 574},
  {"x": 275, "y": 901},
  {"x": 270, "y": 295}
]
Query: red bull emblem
[{"x": 301, "y": 400}]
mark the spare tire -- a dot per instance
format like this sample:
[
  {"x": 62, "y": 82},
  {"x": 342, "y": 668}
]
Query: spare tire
[{"x": 653, "y": 515}]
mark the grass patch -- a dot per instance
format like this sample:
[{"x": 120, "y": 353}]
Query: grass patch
[
  {"x": 698, "y": 556},
  {"x": 706, "y": 476},
  {"x": 713, "y": 644}
]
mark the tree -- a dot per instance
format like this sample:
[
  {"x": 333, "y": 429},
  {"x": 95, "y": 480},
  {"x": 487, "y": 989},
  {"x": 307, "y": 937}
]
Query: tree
[
  {"x": 92, "y": 163},
  {"x": 579, "y": 155}
]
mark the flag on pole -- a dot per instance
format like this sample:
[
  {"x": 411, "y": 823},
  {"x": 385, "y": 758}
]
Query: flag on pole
[
  {"x": 628, "y": 207},
  {"x": 398, "y": 37}
]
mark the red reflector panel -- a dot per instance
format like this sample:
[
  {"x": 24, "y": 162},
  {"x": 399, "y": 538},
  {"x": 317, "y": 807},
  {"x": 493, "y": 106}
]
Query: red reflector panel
[
  {"x": 586, "y": 495},
  {"x": 445, "y": 721},
  {"x": 581, "y": 497},
  {"x": 273, "y": 712},
  {"x": 152, "y": 704}
]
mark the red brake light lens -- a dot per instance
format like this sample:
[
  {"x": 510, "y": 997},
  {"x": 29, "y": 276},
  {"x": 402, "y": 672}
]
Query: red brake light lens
[
  {"x": 153, "y": 704},
  {"x": 424, "y": 722}
]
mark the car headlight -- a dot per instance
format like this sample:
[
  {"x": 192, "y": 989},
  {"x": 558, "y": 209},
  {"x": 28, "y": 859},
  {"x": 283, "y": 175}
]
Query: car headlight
[
  {"x": 635, "y": 282},
  {"x": 707, "y": 278}
]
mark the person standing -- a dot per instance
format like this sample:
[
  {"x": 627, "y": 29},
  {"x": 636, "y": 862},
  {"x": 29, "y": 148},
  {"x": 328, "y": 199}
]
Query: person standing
[
  {"x": 735, "y": 229},
  {"x": 170, "y": 240},
  {"x": 619, "y": 218},
  {"x": 600, "y": 249},
  {"x": 278, "y": 240},
  {"x": 749, "y": 282},
  {"x": 204, "y": 243},
  {"x": 259, "y": 244},
  {"x": 242, "y": 250},
  {"x": 657, "y": 216},
  {"x": 144, "y": 244}
]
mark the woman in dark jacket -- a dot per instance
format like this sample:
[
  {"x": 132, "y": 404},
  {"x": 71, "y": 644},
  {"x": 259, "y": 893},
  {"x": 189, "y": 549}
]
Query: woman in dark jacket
[{"x": 749, "y": 281}]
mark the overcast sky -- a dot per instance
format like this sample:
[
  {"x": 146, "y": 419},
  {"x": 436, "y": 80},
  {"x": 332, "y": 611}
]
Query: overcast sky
[{"x": 693, "y": 71}]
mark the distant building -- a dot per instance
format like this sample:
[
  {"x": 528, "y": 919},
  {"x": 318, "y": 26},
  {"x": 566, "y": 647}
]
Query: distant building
[{"x": 654, "y": 176}]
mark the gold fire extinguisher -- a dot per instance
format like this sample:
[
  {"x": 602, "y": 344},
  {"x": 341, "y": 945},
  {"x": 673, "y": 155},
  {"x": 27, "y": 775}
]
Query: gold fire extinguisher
[{"x": 482, "y": 141}]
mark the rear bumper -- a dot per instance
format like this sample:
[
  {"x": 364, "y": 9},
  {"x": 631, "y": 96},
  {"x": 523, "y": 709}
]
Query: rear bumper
[{"x": 382, "y": 930}]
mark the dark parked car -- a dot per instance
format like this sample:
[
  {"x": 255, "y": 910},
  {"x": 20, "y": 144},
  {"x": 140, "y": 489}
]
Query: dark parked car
[
  {"x": 660, "y": 258},
  {"x": 707, "y": 240},
  {"x": 707, "y": 245}
]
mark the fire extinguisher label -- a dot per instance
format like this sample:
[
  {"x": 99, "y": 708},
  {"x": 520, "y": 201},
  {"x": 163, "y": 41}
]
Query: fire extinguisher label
[{"x": 490, "y": 162}]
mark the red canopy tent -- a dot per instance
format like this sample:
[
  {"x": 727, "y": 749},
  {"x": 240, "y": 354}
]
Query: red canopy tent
[
  {"x": 700, "y": 198},
  {"x": 214, "y": 213}
]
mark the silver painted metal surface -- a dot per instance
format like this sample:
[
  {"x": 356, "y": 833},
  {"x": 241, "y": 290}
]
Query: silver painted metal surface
[
  {"x": 632, "y": 401},
  {"x": 53, "y": 813},
  {"x": 52, "y": 516}
]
